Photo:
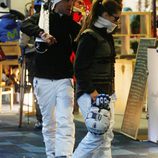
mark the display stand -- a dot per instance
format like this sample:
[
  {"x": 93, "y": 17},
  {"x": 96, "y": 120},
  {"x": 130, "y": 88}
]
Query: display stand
[
  {"x": 25, "y": 89},
  {"x": 127, "y": 33},
  {"x": 22, "y": 90},
  {"x": 12, "y": 52},
  {"x": 133, "y": 111}
]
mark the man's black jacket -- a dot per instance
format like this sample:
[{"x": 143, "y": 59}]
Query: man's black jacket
[{"x": 55, "y": 63}]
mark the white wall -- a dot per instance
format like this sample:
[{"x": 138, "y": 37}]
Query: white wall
[
  {"x": 19, "y": 4},
  {"x": 134, "y": 5},
  {"x": 3, "y": 1}
]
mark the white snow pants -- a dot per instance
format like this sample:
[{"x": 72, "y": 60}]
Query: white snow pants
[
  {"x": 94, "y": 146},
  {"x": 55, "y": 98}
]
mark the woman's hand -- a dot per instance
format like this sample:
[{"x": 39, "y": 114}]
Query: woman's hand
[{"x": 94, "y": 94}]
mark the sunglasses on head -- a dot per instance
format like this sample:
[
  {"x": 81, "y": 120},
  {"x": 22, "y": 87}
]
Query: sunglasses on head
[{"x": 116, "y": 17}]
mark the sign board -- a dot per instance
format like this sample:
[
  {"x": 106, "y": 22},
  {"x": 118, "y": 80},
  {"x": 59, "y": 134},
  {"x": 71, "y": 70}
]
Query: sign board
[
  {"x": 133, "y": 111},
  {"x": 153, "y": 95}
]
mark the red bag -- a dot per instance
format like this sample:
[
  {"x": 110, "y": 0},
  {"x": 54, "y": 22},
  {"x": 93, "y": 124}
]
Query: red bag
[{"x": 2, "y": 55}]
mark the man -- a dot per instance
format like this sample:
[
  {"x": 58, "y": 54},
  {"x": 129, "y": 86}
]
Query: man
[
  {"x": 53, "y": 75},
  {"x": 27, "y": 43}
]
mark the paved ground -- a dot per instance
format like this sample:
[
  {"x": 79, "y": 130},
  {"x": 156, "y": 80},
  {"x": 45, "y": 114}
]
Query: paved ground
[{"x": 26, "y": 142}]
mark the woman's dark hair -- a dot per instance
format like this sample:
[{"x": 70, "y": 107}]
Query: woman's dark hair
[{"x": 98, "y": 8}]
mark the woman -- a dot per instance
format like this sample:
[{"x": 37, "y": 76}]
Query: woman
[{"x": 94, "y": 70}]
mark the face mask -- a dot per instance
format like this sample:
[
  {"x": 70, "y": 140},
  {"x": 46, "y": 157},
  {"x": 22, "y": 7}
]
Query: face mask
[
  {"x": 104, "y": 23},
  {"x": 112, "y": 28}
]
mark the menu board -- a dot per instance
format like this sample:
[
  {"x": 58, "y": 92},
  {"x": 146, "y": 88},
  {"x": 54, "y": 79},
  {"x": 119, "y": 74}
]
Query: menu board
[{"x": 133, "y": 111}]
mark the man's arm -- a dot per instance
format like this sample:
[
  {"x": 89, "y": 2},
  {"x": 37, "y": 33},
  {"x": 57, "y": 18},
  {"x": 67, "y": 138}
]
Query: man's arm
[
  {"x": 75, "y": 28},
  {"x": 30, "y": 26}
]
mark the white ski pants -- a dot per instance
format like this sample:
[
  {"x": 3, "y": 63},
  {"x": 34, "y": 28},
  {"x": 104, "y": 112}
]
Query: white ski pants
[
  {"x": 55, "y": 98},
  {"x": 94, "y": 146}
]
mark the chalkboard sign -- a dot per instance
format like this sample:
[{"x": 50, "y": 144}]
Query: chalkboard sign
[{"x": 131, "y": 120}]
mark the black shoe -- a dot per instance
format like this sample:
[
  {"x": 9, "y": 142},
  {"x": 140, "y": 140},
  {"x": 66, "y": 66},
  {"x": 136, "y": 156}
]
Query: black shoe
[{"x": 38, "y": 125}]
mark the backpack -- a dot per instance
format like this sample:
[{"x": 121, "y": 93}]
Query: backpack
[{"x": 10, "y": 28}]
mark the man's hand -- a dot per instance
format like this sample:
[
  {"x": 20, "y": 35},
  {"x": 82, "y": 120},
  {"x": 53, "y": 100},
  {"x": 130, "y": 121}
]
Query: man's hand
[{"x": 48, "y": 38}]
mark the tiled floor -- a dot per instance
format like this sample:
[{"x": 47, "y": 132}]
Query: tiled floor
[{"x": 26, "y": 142}]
